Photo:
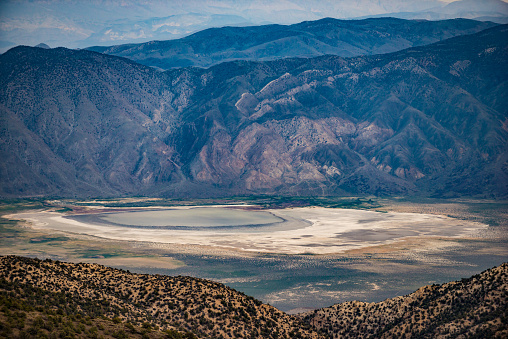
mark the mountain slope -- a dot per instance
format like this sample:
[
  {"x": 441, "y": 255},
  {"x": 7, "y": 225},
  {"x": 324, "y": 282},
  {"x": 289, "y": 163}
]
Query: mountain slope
[
  {"x": 430, "y": 120},
  {"x": 382, "y": 124},
  {"x": 53, "y": 291},
  {"x": 95, "y": 118},
  {"x": 473, "y": 308},
  {"x": 345, "y": 38},
  {"x": 205, "y": 308}
]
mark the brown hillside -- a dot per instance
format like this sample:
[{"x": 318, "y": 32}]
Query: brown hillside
[
  {"x": 205, "y": 308},
  {"x": 41, "y": 298},
  {"x": 471, "y": 308}
]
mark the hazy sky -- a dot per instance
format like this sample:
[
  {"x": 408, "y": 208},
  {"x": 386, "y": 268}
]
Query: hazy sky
[{"x": 82, "y": 23}]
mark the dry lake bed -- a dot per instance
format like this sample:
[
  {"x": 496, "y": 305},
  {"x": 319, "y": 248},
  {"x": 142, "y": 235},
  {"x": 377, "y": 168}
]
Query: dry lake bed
[
  {"x": 292, "y": 258},
  {"x": 309, "y": 230}
]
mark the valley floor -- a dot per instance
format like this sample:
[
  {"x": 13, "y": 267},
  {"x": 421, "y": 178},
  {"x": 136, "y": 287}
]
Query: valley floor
[
  {"x": 336, "y": 255},
  {"x": 307, "y": 230}
]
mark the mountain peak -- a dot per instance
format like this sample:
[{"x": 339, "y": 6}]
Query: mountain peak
[{"x": 43, "y": 45}]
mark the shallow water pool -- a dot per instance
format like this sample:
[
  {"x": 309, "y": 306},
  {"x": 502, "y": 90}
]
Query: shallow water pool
[{"x": 192, "y": 217}]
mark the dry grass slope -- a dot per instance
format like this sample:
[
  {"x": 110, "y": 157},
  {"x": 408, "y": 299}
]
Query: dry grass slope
[
  {"x": 471, "y": 308},
  {"x": 142, "y": 302}
]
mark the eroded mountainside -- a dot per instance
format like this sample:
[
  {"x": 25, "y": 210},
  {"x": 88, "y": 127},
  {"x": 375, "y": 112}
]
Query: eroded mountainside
[
  {"x": 78, "y": 299},
  {"x": 430, "y": 120},
  {"x": 345, "y": 38},
  {"x": 76, "y": 122},
  {"x": 471, "y": 308}
]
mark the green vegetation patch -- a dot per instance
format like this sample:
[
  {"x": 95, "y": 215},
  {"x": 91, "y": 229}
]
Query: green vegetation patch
[{"x": 265, "y": 201}]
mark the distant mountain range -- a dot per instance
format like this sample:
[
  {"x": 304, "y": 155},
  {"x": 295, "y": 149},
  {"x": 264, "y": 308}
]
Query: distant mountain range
[
  {"x": 428, "y": 120},
  {"x": 485, "y": 10},
  {"x": 80, "y": 24},
  {"x": 344, "y": 38}
]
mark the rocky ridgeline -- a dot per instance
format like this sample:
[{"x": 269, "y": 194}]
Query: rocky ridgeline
[
  {"x": 139, "y": 302},
  {"x": 471, "y": 308}
]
